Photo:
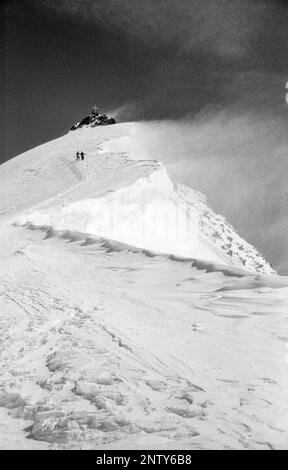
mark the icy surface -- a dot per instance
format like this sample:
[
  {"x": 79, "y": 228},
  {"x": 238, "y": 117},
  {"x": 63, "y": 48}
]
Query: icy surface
[{"x": 121, "y": 339}]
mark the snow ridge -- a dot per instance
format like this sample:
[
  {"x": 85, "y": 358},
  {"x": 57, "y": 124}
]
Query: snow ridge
[
  {"x": 155, "y": 213},
  {"x": 114, "y": 195}
]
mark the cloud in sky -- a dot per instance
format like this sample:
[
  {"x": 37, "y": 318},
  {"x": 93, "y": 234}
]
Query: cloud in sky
[
  {"x": 195, "y": 52},
  {"x": 149, "y": 59},
  {"x": 228, "y": 28}
]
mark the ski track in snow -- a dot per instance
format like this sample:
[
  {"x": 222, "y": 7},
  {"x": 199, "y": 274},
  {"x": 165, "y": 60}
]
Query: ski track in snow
[{"x": 105, "y": 346}]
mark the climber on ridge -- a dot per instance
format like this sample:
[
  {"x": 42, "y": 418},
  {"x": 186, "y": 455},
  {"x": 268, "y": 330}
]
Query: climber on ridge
[
  {"x": 78, "y": 155},
  {"x": 82, "y": 155}
]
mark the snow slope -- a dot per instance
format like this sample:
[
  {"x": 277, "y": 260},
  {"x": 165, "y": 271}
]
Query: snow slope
[
  {"x": 116, "y": 197},
  {"x": 122, "y": 329}
]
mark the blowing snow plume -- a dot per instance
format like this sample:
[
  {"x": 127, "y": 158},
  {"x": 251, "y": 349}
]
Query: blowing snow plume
[
  {"x": 165, "y": 58},
  {"x": 239, "y": 161}
]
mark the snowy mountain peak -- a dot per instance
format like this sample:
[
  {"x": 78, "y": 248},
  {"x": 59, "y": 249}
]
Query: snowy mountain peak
[
  {"x": 114, "y": 196},
  {"x": 94, "y": 119}
]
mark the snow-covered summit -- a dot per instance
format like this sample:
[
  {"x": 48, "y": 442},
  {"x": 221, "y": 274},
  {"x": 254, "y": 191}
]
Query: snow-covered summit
[
  {"x": 94, "y": 119},
  {"x": 115, "y": 196}
]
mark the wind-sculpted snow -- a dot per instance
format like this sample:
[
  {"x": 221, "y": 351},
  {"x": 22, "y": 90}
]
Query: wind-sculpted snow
[
  {"x": 122, "y": 339},
  {"x": 107, "y": 347},
  {"x": 133, "y": 201}
]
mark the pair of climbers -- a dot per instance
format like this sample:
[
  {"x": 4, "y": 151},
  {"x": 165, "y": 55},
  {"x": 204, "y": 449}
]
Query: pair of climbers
[{"x": 80, "y": 155}]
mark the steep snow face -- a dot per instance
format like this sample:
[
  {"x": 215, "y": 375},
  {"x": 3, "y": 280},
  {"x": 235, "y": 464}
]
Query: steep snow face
[
  {"x": 147, "y": 214},
  {"x": 135, "y": 201}
]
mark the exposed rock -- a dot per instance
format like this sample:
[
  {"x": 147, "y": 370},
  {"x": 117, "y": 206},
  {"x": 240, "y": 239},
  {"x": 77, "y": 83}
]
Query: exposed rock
[{"x": 94, "y": 119}]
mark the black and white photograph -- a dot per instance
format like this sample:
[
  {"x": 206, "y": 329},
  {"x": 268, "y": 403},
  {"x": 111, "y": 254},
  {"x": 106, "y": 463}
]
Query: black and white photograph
[{"x": 143, "y": 227}]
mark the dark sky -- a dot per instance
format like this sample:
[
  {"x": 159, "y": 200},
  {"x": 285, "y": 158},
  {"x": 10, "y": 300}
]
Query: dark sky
[{"x": 147, "y": 59}]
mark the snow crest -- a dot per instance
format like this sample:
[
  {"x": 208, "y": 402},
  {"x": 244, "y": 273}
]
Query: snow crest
[{"x": 154, "y": 213}]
